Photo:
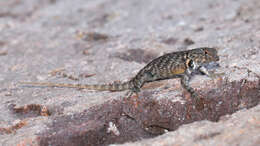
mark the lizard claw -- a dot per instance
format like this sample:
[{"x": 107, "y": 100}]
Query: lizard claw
[
  {"x": 198, "y": 101},
  {"x": 135, "y": 99}
]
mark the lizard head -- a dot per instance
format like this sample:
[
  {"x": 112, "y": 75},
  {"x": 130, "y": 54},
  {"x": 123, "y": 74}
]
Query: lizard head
[{"x": 204, "y": 57}]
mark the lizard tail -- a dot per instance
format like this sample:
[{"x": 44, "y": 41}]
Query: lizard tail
[{"x": 102, "y": 87}]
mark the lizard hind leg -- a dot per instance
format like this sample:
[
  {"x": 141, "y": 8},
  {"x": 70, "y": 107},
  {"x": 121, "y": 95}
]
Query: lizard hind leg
[
  {"x": 134, "y": 101},
  {"x": 129, "y": 94}
]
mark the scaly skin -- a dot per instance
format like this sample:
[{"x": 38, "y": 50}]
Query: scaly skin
[{"x": 183, "y": 64}]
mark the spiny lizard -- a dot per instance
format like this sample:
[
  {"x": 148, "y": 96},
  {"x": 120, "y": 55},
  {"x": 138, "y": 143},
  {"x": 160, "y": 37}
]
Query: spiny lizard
[{"x": 182, "y": 64}]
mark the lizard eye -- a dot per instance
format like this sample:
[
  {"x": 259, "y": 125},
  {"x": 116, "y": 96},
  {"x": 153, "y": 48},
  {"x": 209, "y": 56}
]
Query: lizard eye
[{"x": 191, "y": 64}]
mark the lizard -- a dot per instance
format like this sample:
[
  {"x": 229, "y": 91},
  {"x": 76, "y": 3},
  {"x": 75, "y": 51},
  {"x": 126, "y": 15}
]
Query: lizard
[{"x": 180, "y": 64}]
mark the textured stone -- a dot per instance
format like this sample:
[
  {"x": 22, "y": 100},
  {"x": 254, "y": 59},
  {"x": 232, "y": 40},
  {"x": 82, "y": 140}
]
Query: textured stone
[{"x": 40, "y": 37}]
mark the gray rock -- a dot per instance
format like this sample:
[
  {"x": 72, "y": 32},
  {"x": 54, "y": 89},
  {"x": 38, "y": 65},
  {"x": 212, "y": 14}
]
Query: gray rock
[{"x": 102, "y": 41}]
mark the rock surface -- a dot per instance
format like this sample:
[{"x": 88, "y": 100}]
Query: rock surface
[
  {"x": 102, "y": 41},
  {"x": 241, "y": 128}
]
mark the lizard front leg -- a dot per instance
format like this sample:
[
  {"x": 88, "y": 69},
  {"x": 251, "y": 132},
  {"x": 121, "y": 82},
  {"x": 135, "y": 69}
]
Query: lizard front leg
[
  {"x": 185, "y": 79},
  {"x": 195, "y": 97}
]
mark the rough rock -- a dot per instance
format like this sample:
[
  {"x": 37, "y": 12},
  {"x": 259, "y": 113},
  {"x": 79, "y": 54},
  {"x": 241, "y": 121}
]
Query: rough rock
[{"x": 102, "y": 41}]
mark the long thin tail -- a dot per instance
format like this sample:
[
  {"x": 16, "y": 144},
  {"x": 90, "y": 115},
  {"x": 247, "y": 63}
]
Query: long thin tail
[{"x": 101, "y": 87}]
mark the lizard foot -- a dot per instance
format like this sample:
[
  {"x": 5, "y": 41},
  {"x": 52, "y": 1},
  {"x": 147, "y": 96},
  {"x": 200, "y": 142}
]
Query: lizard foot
[
  {"x": 134, "y": 100},
  {"x": 198, "y": 101}
]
